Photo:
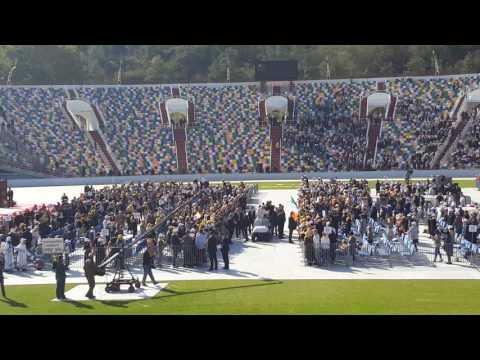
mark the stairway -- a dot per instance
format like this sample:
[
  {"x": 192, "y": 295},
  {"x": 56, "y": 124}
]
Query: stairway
[
  {"x": 72, "y": 94},
  {"x": 104, "y": 153},
  {"x": 275, "y": 148},
  {"x": 461, "y": 135},
  {"x": 291, "y": 87},
  {"x": 163, "y": 111},
  {"x": 180, "y": 138},
  {"x": 391, "y": 108},
  {"x": 372, "y": 138},
  {"x": 276, "y": 91},
  {"x": 262, "y": 113},
  {"x": 99, "y": 117},
  {"x": 363, "y": 107},
  {"x": 291, "y": 107},
  {"x": 191, "y": 113},
  {"x": 381, "y": 86},
  {"x": 458, "y": 106},
  {"x": 458, "y": 127},
  {"x": 67, "y": 114},
  {"x": 444, "y": 150}
]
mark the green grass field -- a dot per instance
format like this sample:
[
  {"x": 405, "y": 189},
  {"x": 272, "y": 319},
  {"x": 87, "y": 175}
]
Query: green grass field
[
  {"x": 268, "y": 297},
  {"x": 286, "y": 185}
]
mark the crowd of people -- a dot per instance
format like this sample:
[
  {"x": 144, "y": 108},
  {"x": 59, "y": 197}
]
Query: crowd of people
[
  {"x": 110, "y": 217},
  {"x": 340, "y": 215},
  {"x": 467, "y": 151},
  {"x": 325, "y": 143}
]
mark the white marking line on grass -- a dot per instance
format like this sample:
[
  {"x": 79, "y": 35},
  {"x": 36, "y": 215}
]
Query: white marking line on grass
[{"x": 145, "y": 292}]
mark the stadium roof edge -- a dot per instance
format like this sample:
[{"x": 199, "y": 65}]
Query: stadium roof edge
[{"x": 213, "y": 85}]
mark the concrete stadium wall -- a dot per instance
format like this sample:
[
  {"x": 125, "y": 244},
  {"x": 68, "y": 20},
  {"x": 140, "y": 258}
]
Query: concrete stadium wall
[{"x": 104, "y": 180}]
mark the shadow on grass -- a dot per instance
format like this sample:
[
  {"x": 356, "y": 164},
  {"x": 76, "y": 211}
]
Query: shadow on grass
[
  {"x": 78, "y": 304},
  {"x": 172, "y": 293},
  {"x": 266, "y": 282},
  {"x": 13, "y": 303},
  {"x": 118, "y": 304}
]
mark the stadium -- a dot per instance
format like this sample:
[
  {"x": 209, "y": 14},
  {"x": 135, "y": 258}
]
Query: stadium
[{"x": 274, "y": 196}]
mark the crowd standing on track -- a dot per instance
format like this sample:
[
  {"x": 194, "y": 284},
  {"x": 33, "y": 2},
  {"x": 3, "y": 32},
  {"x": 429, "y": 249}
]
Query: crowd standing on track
[
  {"x": 342, "y": 216},
  {"x": 105, "y": 220}
]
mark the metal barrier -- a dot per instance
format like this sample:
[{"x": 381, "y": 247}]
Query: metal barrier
[{"x": 378, "y": 254}]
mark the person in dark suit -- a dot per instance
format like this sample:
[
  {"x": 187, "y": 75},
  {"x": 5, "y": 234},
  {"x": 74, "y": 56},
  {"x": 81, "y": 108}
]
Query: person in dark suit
[
  {"x": 230, "y": 227},
  {"x": 2, "y": 267},
  {"x": 10, "y": 197},
  {"x": 449, "y": 240},
  {"x": 225, "y": 250},
  {"x": 212, "y": 249},
  {"x": 251, "y": 219},
  {"x": 148, "y": 257},
  {"x": 244, "y": 222},
  {"x": 90, "y": 269},
  {"x": 60, "y": 276},
  {"x": 432, "y": 226},
  {"x": 280, "y": 221}
]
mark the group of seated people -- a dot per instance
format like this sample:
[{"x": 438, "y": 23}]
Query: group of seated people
[
  {"x": 467, "y": 152},
  {"x": 324, "y": 143},
  {"x": 111, "y": 217}
]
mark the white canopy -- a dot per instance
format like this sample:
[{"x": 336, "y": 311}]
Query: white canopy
[
  {"x": 276, "y": 103},
  {"x": 472, "y": 100},
  {"x": 378, "y": 100},
  {"x": 82, "y": 108},
  {"x": 177, "y": 105},
  {"x": 474, "y": 96}
]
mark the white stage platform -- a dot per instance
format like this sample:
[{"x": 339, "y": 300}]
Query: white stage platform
[{"x": 78, "y": 293}]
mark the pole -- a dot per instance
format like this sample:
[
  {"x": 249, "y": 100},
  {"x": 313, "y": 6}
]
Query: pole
[
  {"x": 328, "y": 69},
  {"x": 10, "y": 73},
  {"x": 119, "y": 76},
  {"x": 435, "y": 63},
  {"x": 228, "y": 65}
]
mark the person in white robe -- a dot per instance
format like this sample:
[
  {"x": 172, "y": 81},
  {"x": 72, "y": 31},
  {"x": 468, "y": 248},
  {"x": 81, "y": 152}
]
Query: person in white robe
[
  {"x": 35, "y": 237},
  {"x": 22, "y": 255},
  {"x": 8, "y": 253}
]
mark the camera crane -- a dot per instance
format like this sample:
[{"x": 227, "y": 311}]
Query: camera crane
[{"x": 123, "y": 275}]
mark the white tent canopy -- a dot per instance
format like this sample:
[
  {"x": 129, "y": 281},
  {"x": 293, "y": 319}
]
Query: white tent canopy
[
  {"x": 472, "y": 99},
  {"x": 276, "y": 103},
  {"x": 378, "y": 100},
  {"x": 177, "y": 105},
  {"x": 82, "y": 108}
]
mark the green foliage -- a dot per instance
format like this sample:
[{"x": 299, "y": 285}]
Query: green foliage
[{"x": 99, "y": 64}]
